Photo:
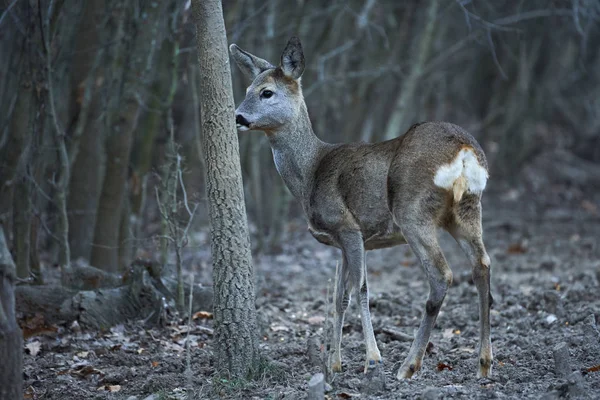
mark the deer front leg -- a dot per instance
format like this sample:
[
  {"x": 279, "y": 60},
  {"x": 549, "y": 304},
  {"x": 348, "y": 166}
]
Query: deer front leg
[
  {"x": 425, "y": 246},
  {"x": 354, "y": 254}
]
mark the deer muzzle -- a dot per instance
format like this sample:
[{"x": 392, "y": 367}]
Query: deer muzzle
[{"x": 242, "y": 123}]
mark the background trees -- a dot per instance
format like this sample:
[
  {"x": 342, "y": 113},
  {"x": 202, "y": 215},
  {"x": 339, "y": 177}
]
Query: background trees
[{"x": 522, "y": 76}]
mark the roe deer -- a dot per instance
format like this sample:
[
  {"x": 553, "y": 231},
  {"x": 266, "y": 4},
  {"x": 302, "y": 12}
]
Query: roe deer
[{"x": 362, "y": 196}]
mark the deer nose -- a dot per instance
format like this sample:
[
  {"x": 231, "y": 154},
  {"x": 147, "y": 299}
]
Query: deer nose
[{"x": 240, "y": 120}]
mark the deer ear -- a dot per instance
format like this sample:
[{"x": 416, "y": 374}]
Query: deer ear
[
  {"x": 249, "y": 64},
  {"x": 292, "y": 59}
]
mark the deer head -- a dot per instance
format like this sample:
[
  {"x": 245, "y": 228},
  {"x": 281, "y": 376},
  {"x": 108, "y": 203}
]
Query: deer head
[{"x": 274, "y": 99}]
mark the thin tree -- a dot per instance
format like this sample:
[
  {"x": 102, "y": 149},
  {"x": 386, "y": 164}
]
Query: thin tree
[
  {"x": 236, "y": 341},
  {"x": 11, "y": 338}
]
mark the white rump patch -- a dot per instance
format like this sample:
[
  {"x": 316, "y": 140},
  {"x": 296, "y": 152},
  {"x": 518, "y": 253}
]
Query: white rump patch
[{"x": 464, "y": 165}]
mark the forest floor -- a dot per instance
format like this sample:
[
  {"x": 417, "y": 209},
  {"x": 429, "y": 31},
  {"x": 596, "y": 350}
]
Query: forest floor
[{"x": 545, "y": 253}]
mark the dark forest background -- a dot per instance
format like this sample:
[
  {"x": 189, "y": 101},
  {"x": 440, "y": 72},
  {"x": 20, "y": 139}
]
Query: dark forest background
[{"x": 100, "y": 155}]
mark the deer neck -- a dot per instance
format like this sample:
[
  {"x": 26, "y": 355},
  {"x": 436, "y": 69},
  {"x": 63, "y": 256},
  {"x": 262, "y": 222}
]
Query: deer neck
[{"x": 296, "y": 152}]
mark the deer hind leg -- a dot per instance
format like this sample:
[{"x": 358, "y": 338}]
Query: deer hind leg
[
  {"x": 354, "y": 256},
  {"x": 423, "y": 242},
  {"x": 341, "y": 297},
  {"x": 468, "y": 233}
]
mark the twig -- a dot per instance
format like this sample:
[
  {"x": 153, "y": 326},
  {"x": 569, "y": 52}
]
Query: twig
[
  {"x": 332, "y": 53},
  {"x": 487, "y": 24},
  {"x": 5, "y": 130},
  {"x": 187, "y": 341},
  {"x": 7, "y": 10},
  {"x": 61, "y": 186},
  {"x": 494, "y": 55},
  {"x": 180, "y": 176},
  {"x": 513, "y": 19}
]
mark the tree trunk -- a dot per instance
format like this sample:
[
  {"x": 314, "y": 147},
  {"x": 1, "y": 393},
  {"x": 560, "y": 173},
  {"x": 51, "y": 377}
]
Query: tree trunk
[
  {"x": 120, "y": 121},
  {"x": 236, "y": 340},
  {"x": 397, "y": 123},
  {"x": 11, "y": 338},
  {"x": 84, "y": 190},
  {"x": 105, "y": 250},
  {"x": 88, "y": 158}
]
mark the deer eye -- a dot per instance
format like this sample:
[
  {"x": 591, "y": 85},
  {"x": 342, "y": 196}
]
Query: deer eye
[{"x": 266, "y": 94}]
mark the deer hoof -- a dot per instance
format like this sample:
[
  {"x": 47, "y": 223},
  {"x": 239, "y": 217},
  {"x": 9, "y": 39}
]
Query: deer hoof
[
  {"x": 336, "y": 366},
  {"x": 407, "y": 371},
  {"x": 485, "y": 368},
  {"x": 372, "y": 364}
]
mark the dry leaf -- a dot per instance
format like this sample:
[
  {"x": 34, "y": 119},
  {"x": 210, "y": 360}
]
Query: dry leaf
[
  {"x": 155, "y": 364},
  {"x": 441, "y": 366},
  {"x": 36, "y": 326},
  {"x": 516, "y": 248},
  {"x": 83, "y": 354},
  {"x": 346, "y": 395},
  {"x": 595, "y": 368},
  {"x": 316, "y": 320},
  {"x": 110, "y": 388},
  {"x": 34, "y": 347},
  {"x": 29, "y": 393},
  {"x": 203, "y": 315}
]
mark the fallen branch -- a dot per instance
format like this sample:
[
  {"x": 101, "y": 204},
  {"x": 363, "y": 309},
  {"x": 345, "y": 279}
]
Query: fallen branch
[
  {"x": 395, "y": 334},
  {"x": 140, "y": 295}
]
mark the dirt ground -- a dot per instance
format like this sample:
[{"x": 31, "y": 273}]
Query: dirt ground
[{"x": 545, "y": 253}]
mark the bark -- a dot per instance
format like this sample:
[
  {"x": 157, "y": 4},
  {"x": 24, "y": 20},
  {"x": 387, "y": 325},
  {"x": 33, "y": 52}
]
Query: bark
[
  {"x": 18, "y": 130},
  {"x": 11, "y": 338},
  {"x": 125, "y": 232},
  {"x": 22, "y": 226},
  {"x": 236, "y": 341},
  {"x": 84, "y": 194},
  {"x": 105, "y": 251}
]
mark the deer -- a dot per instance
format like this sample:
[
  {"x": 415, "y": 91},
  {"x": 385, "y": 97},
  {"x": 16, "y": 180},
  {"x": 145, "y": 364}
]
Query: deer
[{"x": 366, "y": 196}]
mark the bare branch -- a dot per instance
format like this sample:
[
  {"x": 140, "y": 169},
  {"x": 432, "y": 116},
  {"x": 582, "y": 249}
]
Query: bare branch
[
  {"x": 180, "y": 176},
  {"x": 494, "y": 56},
  {"x": 11, "y": 108},
  {"x": 527, "y": 15},
  {"x": 7, "y": 10},
  {"x": 487, "y": 24}
]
